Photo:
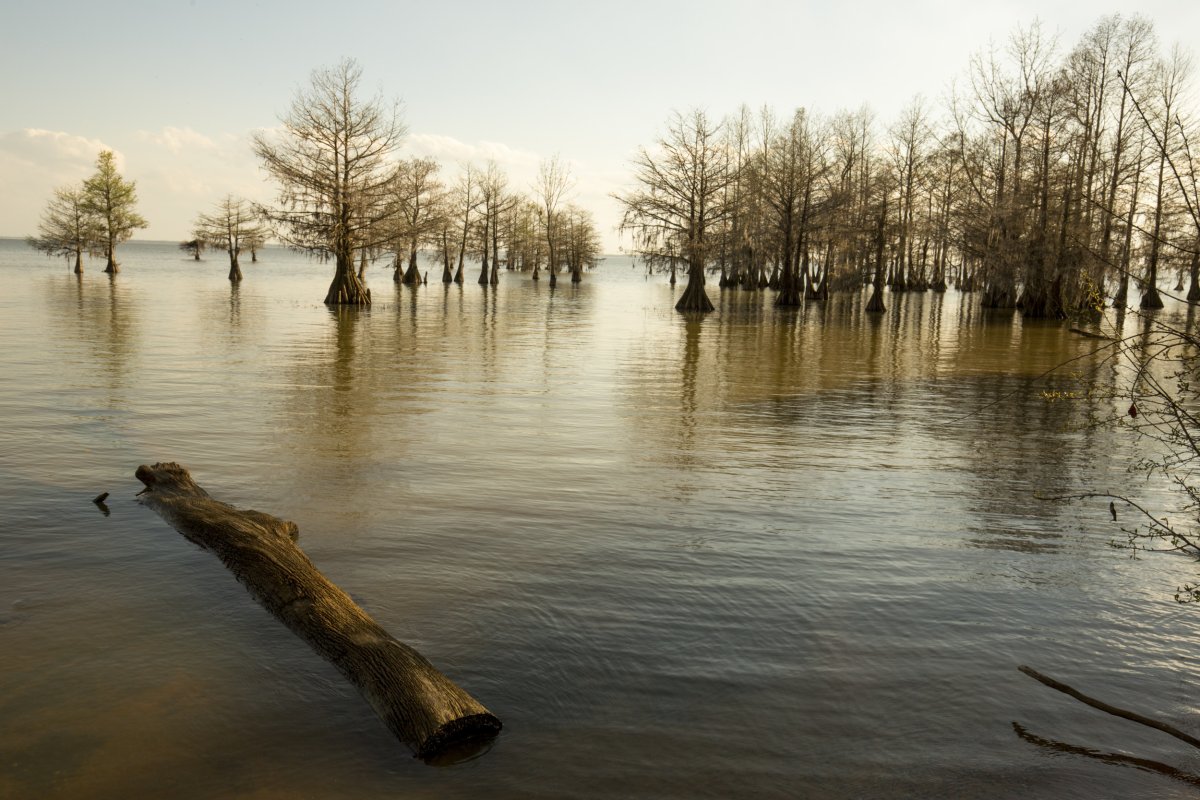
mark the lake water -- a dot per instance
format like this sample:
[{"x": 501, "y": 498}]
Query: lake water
[{"x": 752, "y": 555}]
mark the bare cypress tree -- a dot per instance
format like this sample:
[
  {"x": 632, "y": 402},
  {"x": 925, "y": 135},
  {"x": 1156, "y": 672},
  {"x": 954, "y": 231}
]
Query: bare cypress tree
[
  {"x": 66, "y": 228},
  {"x": 553, "y": 183},
  {"x": 109, "y": 199},
  {"x": 232, "y": 224},
  {"x": 194, "y": 247},
  {"x": 1169, "y": 79},
  {"x": 256, "y": 242},
  {"x": 678, "y": 202},
  {"x": 876, "y": 304},
  {"x": 419, "y": 198},
  {"x": 332, "y": 163},
  {"x": 464, "y": 199}
]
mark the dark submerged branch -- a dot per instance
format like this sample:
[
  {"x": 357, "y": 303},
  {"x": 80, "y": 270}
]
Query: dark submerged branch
[
  {"x": 1132, "y": 716},
  {"x": 1119, "y": 759}
]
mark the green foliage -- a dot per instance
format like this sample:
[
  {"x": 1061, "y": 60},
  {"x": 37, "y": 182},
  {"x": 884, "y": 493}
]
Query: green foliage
[{"x": 110, "y": 200}]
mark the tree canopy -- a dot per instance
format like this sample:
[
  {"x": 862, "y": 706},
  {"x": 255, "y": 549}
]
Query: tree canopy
[
  {"x": 333, "y": 165},
  {"x": 110, "y": 200}
]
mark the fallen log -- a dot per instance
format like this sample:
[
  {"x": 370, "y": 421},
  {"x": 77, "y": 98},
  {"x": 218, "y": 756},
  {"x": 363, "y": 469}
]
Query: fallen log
[
  {"x": 420, "y": 705},
  {"x": 1090, "y": 335}
]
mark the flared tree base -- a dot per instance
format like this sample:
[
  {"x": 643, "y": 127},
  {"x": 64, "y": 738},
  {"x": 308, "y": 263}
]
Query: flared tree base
[
  {"x": 875, "y": 304},
  {"x": 694, "y": 298},
  {"x": 348, "y": 289},
  {"x": 1121, "y": 298},
  {"x": 790, "y": 294},
  {"x": 1151, "y": 299},
  {"x": 999, "y": 297}
]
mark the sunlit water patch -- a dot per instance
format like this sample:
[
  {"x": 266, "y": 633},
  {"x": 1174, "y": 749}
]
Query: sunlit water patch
[{"x": 763, "y": 554}]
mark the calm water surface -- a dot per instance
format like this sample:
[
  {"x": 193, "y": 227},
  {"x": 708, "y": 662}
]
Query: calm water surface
[{"x": 743, "y": 556}]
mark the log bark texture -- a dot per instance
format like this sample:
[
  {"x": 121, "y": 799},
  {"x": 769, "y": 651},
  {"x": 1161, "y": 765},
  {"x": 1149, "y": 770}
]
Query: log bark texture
[{"x": 420, "y": 705}]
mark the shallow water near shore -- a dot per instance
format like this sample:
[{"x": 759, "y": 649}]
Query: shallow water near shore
[{"x": 764, "y": 554}]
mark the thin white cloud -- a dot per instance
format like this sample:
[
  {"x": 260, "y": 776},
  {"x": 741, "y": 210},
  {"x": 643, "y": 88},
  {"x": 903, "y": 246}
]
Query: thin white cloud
[
  {"x": 178, "y": 140},
  {"x": 449, "y": 150},
  {"x": 35, "y": 162},
  {"x": 51, "y": 151}
]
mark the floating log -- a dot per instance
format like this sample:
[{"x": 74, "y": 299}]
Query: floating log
[
  {"x": 420, "y": 705},
  {"x": 1090, "y": 335}
]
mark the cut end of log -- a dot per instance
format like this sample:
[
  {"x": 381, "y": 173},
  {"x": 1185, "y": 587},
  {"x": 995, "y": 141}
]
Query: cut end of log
[
  {"x": 166, "y": 477},
  {"x": 459, "y": 740}
]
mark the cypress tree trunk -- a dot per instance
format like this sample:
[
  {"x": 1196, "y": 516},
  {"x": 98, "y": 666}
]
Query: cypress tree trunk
[
  {"x": 412, "y": 275},
  {"x": 875, "y": 304},
  {"x": 347, "y": 289},
  {"x": 1151, "y": 299},
  {"x": 235, "y": 271},
  {"x": 694, "y": 297},
  {"x": 791, "y": 288},
  {"x": 485, "y": 274},
  {"x": 495, "y": 272},
  {"x": 79, "y": 263},
  {"x": 1121, "y": 298},
  {"x": 111, "y": 268},
  {"x": 1193, "y": 295}
]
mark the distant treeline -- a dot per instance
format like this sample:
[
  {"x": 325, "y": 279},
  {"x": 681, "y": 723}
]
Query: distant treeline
[{"x": 1046, "y": 180}]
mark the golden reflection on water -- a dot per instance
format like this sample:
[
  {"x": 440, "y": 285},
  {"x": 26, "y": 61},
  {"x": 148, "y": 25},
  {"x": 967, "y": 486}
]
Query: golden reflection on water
[{"x": 679, "y": 556}]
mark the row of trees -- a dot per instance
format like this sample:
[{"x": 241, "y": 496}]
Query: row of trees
[
  {"x": 232, "y": 226},
  {"x": 93, "y": 217},
  {"x": 1044, "y": 183},
  {"x": 345, "y": 195}
]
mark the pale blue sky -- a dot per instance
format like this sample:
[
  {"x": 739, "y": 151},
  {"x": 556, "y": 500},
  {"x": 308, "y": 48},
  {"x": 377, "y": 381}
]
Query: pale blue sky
[{"x": 175, "y": 86}]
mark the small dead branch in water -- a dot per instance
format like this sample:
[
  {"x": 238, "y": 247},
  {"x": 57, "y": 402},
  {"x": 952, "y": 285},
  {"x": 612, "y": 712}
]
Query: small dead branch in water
[{"x": 1132, "y": 716}]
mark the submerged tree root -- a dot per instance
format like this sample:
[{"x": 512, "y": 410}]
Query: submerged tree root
[{"x": 420, "y": 705}]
